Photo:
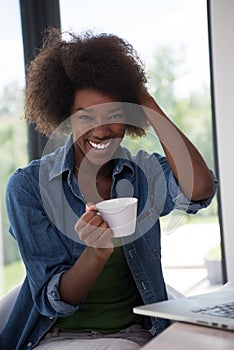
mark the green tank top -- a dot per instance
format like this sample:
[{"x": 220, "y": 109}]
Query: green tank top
[{"x": 108, "y": 306}]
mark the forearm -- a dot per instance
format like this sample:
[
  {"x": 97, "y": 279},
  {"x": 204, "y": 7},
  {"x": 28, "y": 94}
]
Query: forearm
[
  {"x": 187, "y": 164},
  {"x": 189, "y": 167},
  {"x": 76, "y": 282}
]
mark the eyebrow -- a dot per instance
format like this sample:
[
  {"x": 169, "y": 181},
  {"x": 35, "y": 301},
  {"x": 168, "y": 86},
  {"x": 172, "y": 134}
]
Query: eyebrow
[
  {"x": 90, "y": 110},
  {"x": 83, "y": 109}
]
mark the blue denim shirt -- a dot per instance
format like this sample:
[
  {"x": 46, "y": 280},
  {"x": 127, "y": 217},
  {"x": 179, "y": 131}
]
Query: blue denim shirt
[{"x": 44, "y": 201}]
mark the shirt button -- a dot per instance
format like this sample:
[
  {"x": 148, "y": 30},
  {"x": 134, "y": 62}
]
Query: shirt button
[
  {"x": 143, "y": 285},
  {"x": 51, "y": 318},
  {"x": 29, "y": 344}
]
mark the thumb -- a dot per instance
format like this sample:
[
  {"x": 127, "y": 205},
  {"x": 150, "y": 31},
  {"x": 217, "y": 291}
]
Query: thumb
[{"x": 90, "y": 206}]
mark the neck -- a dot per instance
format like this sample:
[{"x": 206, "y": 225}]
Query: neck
[
  {"x": 92, "y": 172},
  {"x": 85, "y": 170}
]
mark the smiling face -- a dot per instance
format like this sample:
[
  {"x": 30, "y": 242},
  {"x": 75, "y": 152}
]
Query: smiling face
[{"x": 98, "y": 126}]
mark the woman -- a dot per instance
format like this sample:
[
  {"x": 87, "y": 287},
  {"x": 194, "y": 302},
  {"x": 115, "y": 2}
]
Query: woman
[{"x": 82, "y": 283}]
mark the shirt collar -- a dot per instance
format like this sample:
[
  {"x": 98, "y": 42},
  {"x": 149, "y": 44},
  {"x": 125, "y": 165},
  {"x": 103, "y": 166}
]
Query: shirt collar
[
  {"x": 123, "y": 159},
  {"x": 64, "y": 160}
]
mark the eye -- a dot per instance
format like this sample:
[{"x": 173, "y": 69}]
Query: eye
[
  {"x": 84, "y": 117},
  {"x": 115, "y": 116}
]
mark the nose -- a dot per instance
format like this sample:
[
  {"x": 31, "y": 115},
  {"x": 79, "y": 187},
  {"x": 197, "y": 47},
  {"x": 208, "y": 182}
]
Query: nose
[{"x": 101, "y": 130}]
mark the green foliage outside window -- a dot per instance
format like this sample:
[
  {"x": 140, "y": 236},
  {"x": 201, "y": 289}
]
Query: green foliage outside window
[{"x": 13, "y": 154}]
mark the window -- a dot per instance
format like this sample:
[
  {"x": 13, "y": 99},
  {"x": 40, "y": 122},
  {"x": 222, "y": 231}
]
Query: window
[
  {"x": 13, "y": 133},
  {"x": 172, "y": 39}
]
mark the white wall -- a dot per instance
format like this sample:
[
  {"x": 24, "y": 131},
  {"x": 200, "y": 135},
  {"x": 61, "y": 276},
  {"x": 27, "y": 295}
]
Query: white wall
[{"x": 222, "y": 43}]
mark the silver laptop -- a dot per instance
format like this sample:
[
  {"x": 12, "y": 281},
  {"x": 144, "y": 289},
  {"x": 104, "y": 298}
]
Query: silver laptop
[{"x": 214, "y": 309}]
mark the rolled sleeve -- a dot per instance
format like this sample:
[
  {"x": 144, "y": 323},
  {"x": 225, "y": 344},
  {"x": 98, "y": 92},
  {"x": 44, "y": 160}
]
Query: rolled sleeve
[
  {"x": 182, "y": 202},
  {"x": 62, "y": 308}
]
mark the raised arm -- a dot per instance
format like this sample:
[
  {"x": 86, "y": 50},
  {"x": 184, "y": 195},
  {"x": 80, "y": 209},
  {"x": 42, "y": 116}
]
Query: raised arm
[{"x": 187, "y": 164}]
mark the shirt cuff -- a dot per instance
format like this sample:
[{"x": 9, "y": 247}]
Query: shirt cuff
[
  {"x": 182, "y": 202},
  {"x": 62, "y": 308}
]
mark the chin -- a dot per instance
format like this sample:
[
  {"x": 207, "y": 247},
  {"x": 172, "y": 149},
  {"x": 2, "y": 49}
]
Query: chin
[{"x": 98, "y": 161}]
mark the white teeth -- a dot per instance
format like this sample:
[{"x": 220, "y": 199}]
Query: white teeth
[{"x": 100, "y": 146}]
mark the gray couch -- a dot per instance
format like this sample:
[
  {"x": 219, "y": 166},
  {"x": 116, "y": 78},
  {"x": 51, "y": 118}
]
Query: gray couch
[
  {"x": 7, "y": 303},
  {"x": 8, "y": 300}
]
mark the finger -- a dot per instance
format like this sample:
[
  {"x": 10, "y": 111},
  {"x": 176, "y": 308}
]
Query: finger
[
  {"x": 84, "y": 219},
  {"x": 89, "y": 237},
  {"x": 103, "y": 238},
  {"x": 101, "y": 233},
  {"x": 92, "y": 226}
]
